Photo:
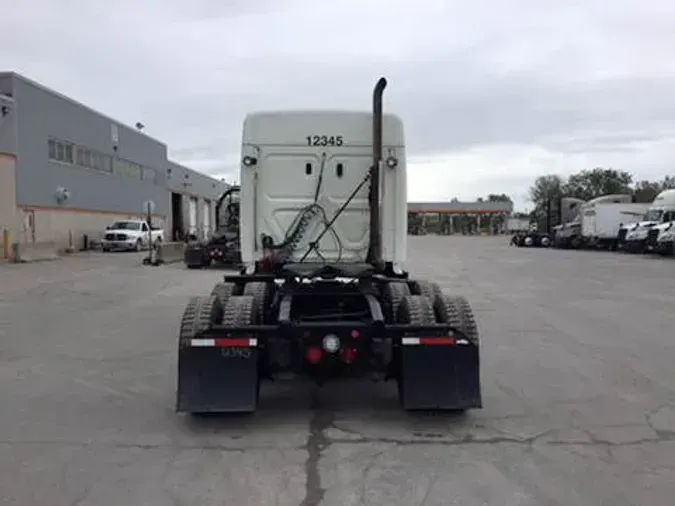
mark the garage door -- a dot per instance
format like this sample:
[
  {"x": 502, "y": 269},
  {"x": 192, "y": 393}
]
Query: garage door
[
  {"x": 192, "y": 215},
  {"x": 206, "y": 218}
]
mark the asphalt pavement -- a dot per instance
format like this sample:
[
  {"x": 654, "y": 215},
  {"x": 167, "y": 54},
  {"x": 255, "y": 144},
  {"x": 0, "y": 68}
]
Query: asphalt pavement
[{"x": 578, "y": 374}]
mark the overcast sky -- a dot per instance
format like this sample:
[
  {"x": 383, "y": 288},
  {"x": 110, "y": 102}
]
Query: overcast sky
[{"x": 492, "y": 92}]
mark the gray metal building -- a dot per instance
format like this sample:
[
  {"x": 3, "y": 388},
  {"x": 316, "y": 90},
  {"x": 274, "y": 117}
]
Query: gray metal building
[{"x": 68, "y": 170}]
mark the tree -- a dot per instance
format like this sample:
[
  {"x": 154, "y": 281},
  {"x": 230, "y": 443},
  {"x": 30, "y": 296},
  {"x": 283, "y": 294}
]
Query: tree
[
  {"x": 668, "y": 183},
  {"x": 501, "y": 197},
  {"x": 589, "y": 184},
  {"x": 646, "y": 191},
  {"x": 545, "y": 188}
]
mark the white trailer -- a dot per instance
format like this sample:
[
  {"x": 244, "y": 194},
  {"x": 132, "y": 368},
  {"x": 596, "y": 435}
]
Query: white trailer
[
  {"x": 600, "y": 222},
  {"x": 517, "y": 224}
]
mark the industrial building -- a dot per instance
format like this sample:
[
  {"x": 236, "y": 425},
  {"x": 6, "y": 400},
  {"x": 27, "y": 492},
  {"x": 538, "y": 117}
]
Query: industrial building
[{"x": 67, "y": 171}]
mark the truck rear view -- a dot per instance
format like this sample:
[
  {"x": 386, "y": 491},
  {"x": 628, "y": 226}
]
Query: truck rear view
[{"x": 323, "y": 293}]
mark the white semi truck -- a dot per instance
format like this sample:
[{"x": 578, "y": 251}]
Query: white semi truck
[
  {"x": 323, "y": 292},
  {"x": 643, "y": 235}
]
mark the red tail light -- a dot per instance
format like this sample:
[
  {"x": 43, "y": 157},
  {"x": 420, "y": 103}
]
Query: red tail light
[{"x": 313, "y": 355}]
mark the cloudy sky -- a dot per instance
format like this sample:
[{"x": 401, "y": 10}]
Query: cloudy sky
[{"x": 493, "y": 92}]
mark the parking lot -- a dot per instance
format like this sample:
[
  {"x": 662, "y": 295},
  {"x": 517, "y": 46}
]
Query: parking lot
[{"x": 578, "y": 354}]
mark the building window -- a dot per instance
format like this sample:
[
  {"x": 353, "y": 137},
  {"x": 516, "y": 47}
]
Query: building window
[
  {"x": 105, "y": 162},
  {"x": 129, "y": 169},
  {"x": 96, "y": 161},
  {"x": 149, "y": 174},
  {"x": 60, "y": 151},
  {"x": 68, "y": 150},
  {"x": 52, "y": 149},
  {"x": 93, "y": 160}
]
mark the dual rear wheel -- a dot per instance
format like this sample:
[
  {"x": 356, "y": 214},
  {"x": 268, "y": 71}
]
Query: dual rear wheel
[{"x": 424, "y": 303}]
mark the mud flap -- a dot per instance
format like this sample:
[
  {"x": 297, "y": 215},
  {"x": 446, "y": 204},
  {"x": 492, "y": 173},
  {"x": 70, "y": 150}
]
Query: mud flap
[
  {"x": 440, "y": 377},
  {"x": 194, "y": 257},
  {"x": 217, "y": 380}
]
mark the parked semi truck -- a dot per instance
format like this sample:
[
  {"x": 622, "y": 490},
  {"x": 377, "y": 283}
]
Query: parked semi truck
[
  {"x": 643, "y": 235},
  {"x": 222, "y": 248},
  {"x": 322, "y": 292},
  {"x": 567, "y": 233}
]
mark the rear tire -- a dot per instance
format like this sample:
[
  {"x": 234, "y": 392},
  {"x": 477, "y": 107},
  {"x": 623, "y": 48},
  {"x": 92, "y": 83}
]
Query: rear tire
[
  {"x": 427, "y": 288},
  {"x": 456, "y": 312},
  {"x": 239, "y": 310},
  {"x": 393, "y": 294},
  {"x": 223, "y": 291},
  {"x": 200, "y": 314},
  {"x": 261, "y": 295}
]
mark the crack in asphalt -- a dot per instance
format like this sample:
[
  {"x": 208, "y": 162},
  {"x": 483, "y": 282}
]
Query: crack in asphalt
[{"x": 317, "y": 442}]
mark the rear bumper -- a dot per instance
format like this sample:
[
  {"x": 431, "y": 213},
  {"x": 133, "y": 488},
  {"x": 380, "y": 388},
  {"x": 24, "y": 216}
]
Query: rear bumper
[
  {"x": 219, "y": 370},
  {"x": 396, "y": 332}
]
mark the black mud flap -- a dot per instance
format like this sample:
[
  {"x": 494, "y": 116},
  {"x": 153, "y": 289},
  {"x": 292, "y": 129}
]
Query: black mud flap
[
  {"x": 217, "y": 380},
  {"x": 440, "y": 378},
  {"x": 194, "y": 257}
]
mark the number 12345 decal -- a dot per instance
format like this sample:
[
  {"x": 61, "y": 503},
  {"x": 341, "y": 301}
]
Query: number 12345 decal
[{"x": 324, "y": 140}]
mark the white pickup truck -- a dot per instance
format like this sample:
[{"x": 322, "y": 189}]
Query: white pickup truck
[{"x": 130, "y": 235}]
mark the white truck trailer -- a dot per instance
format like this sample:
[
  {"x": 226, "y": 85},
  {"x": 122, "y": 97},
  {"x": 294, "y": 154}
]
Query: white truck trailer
[{"x": 603, "y": 217}]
